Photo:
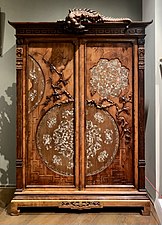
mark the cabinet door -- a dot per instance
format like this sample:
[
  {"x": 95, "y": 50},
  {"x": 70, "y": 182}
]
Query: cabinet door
[
  {"x": 51, "y": 106},
  {"x": 110, "y": 112}
]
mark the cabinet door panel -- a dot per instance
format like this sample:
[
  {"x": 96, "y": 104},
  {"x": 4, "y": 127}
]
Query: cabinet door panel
[
  {"x": 51, "y": 114},
  {"x": 109, "y": 113}
]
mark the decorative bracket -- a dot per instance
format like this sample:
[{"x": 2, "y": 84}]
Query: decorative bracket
[{"x": 81, "y": 205}]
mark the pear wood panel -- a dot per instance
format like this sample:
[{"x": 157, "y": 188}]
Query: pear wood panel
[{"x": 109, "y": 72}]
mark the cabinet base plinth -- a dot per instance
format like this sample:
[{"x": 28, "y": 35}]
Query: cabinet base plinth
[{"x": 80, "y": 204}]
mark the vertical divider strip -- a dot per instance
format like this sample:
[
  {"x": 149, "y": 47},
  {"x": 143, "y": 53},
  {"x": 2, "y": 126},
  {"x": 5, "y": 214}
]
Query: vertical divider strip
[
  {"x": 76, "y": 105},
  {"x": 82, "y": 114}
]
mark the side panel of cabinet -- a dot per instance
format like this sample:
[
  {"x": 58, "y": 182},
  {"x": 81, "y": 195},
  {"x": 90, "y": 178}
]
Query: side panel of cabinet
[
  {"x": 110, "y": 111},
  {"x": 52, "y": 110}
]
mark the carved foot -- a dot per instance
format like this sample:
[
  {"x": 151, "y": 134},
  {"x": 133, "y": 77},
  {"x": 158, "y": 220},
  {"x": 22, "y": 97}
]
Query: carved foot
[
  {"x": 13, "y": 210},
  {"x": 146, "y": 210}
]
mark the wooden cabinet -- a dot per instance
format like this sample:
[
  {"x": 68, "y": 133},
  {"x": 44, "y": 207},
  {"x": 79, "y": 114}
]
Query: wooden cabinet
[{"x": 80, "y": 115}]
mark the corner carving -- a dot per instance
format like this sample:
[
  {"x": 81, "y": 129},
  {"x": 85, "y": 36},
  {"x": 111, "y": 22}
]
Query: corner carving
[
  {"x": 141, "y": 53},
  {"x": 19, "y": 58}
]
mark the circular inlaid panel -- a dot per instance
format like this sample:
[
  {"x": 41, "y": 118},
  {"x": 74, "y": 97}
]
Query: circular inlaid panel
[
  {"x": 55, "y": 139},
  {"x": 102, "y": 139}
]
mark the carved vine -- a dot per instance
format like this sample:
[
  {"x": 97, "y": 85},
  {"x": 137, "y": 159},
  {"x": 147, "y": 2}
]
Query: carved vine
[{"x": 58, "y": 88}]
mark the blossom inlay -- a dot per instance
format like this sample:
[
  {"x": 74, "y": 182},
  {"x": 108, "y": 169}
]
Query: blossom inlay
[
  {"x": 57, "y": 160},
  {"x": 108, "y": 136},
  {"x": 32, "y": 95},
  {"x": 63, "y": 138},
  {"x": 102, "y": 156},
  {"x": 52, "y": 121},
  {"x": 108, "y": 78},
  {"x": 47, "y": 139},
  {"x": 94, "y": 141},
  {"x": 99, "y": 117}
]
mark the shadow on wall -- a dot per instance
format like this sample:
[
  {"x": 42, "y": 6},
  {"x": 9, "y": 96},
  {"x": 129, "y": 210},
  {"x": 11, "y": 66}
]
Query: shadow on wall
[
  {"x": 2, "y": 27},
  {"x": 8, "y": 136}
]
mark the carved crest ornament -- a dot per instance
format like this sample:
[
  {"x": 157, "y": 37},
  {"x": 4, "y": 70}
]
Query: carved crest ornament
[{"x": 77, "y": 18}]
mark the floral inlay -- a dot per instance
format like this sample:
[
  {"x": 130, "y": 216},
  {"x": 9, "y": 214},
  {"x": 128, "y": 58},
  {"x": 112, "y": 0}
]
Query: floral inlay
[
  {"x": 32, "y": 95},
  {"x": 102, "y": 156},
  {"x": 108, "y": 136},
  {"x": 51, "y": 122},
  {"x": 70, "y": 165},
  {"x": 33, "y": 75},
  {"x": 63, "y": 138},
  {"x": 108, "y": 78},
  {"x": 47, "y": 139},
  {"x": 55, "y": 139},
  {"x": 102, "y": 139},
  {"x": 99, "y": 117},
  {"x": 67, "y": 113},
  {"x": 94, "y": 141},
  {"x": 57, "y": 160}
]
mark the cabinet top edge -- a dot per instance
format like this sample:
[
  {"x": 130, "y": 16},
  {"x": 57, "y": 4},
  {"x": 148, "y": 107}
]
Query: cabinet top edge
[
  {"x": 117, "y": 28},
  {"x": 32, "y": 25}
]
